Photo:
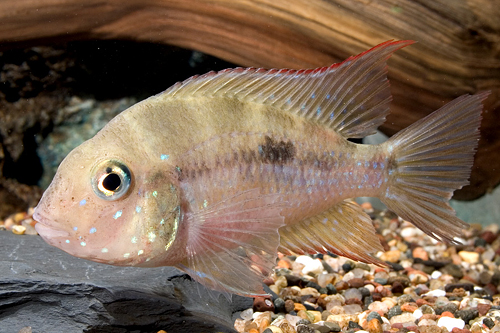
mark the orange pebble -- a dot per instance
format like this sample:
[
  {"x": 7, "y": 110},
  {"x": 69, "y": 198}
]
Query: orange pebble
[
  {"x": 419, "y": 252},
  {"x": 409, "y": 307},
  {"x": 366, "y": 206},
  {"x": 299, "y": 306},
  {"x": 283, "y": 264},
  {"x": 162, "y": 331},
  {"x": 447, "y": 314},
  {"x": 253, "y": 330},
  {"x": 421, "y": 302}
]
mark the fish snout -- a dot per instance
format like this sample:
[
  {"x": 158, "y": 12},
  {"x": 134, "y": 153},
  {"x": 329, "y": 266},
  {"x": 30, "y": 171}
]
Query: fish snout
[{"x": 47, "y": 227}]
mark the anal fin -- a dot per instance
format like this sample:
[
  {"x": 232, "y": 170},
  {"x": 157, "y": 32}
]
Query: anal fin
[
  {"x": 233, "y": 243},
  {"x": 343, "y": 229}
]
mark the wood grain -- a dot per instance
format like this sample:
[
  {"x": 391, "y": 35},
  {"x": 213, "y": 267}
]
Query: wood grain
[{"x": 458, "y": 48}]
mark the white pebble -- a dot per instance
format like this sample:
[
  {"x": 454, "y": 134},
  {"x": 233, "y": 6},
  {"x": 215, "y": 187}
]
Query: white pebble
[
  {"x": 370, "y": 287},
  {"x": 436, "y": 274},
  {"x": 410, "y": 232},
  {"x": 256, "y": 314},
  {"x": 315, "y": 267},
  {"x": 417, "y": 313},
  {"x": 304, "y": 260},
  {"x": 450, "y": 323},
  {"x": 427, "y": 322},
  {"x": 436, "y": 293},
  {"x": 246, "y": 314}
]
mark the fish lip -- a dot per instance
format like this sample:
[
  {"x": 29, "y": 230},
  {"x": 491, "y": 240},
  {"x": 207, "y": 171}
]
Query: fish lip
[
  {"x": 50, "y": 232},
  {"x": 46, "y": 227}
]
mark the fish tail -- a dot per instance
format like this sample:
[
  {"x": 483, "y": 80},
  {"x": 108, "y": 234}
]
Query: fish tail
[{"x": 428, "y": 161}]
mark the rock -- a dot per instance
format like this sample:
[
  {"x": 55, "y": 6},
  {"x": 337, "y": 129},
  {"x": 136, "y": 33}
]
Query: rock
[
  {"x": 436, "y": 293},
  {"x": 403, "y": 279},
  {"x": 374, "y": 315},
  {"x": 279, "y": 305},
  {"x": 394, "y": 311},
  {"x": 313, "y": 266},
  {"x": 273, "y": 329},
  {"x": 430, "y": 329},
  {"x": 18, "y": 229},
  {"x": 465, "y": 286},
  {"x": 49, "y": 288},
  {"x": 299, "y": 307},
  {"x": 485, "y": 277},
  {"x": 331, "y": 290},
  {"x": 419, "y": 252},
  {"x": 352, "y": 293},
  {"x": 289, "y": 306},
  {"x": 427, "y": 322},
  {"x": 459, "y": 330},
  {"x": 489, "y": 236},
  {"x": 374, "y": 326},
  {"x": 309, "y": 291},
  {"x": 391, "y": 256},
  {"x": 341, "y": 285},
  {"x": 262, "y": 304},
  {"x": 304, "y": 329},
  {"x": 333, "y": 326},
  {"x": 342, "y": 319},
  {"x": 325, "y": 279},
  {"x": 483, "y": 308},
  {"x": 450, "y": 323},
  {"x": 397, "y": 288},
  {"x": 356, "y": 283},
  {"x": 379, "y": 307},
  {"x": 314, "y": 285},
  {"x": 454, "y": 270},
  {"x": 450, "y": 307},
  {"x": 467, "y": 314},
  {"x": 405, "y": 317},
  {"x": 488, "y": 322},
  {"x": 409, "y": 307},
  {"x": 352, "y": 309},
  {"x": 470, "y": 257}
]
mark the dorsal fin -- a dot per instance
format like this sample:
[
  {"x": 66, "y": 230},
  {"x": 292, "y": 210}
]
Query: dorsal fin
[{"x": 351, "y": 97}]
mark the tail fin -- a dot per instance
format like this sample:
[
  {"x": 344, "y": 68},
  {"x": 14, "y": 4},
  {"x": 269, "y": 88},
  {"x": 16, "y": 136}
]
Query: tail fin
[{"x": 429, "y": 160}]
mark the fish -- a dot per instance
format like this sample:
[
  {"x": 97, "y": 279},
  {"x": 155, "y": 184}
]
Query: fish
[{"x": 220, "y": 172}]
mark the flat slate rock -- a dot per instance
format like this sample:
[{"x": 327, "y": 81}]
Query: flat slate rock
[{"x": 51, "y": 291}]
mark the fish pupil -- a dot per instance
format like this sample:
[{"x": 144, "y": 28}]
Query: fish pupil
[{"x": 111, "y": 182}]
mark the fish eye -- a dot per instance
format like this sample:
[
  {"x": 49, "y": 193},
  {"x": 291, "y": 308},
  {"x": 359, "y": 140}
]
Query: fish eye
[{"x": 111, "y": 180}]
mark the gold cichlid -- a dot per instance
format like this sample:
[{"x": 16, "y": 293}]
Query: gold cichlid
[{"x": 219, "y": 172}]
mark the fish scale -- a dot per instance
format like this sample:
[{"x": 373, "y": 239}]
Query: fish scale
[{"x": 220, "y": 171}]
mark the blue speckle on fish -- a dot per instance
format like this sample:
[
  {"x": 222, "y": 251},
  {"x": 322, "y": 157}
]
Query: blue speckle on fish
[{"x": 117, "y": 214}]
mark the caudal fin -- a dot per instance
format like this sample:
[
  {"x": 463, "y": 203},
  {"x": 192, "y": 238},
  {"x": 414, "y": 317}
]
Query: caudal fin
[{"x": 429, "y": 160}]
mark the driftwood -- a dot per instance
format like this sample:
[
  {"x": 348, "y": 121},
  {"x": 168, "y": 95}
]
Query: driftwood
[{"x": 458, "y": 50}]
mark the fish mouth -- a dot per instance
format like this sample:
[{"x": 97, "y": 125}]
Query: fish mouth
[
  {"x": 49, "y": 232},
  {"x": 46, "y": 228}
]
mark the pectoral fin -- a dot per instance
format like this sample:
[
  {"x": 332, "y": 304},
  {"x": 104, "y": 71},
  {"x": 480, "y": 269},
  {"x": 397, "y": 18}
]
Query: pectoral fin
[{"x": 233, "y": 244}]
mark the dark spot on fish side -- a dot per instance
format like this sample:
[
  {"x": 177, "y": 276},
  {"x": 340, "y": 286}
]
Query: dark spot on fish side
[{"x": 276, "y": 152}]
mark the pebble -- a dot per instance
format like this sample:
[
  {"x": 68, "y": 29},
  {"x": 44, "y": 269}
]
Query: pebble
[
  {"x": 394, "y": 311},
  {"x": 18, "y": 229},
  {"x": 469, "y": 256},
  {"x": 405, "y": 317},
  {"x": 391, "y": 256},
  {"x": 450, "y": 323},
  {"x": 262, "y": 304}
]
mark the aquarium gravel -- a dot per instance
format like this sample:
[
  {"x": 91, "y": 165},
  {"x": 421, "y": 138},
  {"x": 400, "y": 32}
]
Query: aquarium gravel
[{"x": 427, "y": 287}]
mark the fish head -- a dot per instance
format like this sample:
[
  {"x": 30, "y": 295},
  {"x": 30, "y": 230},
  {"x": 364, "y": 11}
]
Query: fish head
[{"x": 110, "y": 206}]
